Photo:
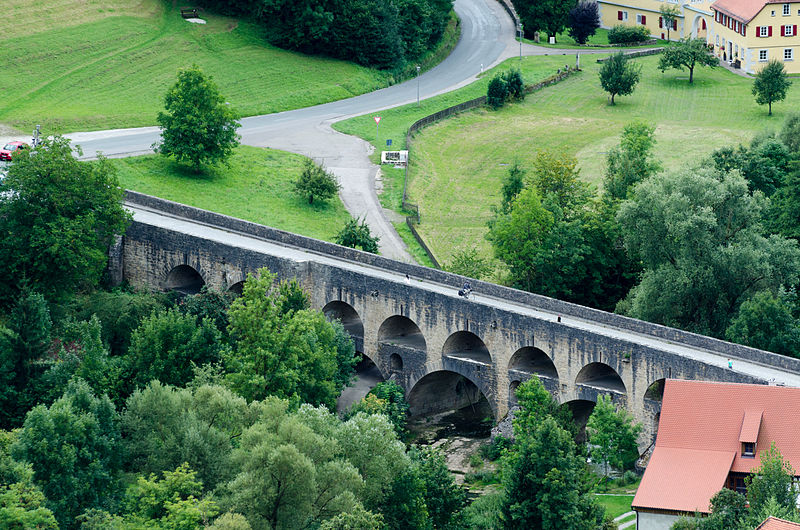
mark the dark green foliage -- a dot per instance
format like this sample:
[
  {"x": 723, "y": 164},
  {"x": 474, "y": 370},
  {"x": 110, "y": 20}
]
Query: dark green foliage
[
  {"x": 209, "y": 305},
  {"x": 584, "y": 19},
  {"x": 680, "y": 227},
  {"x": 765, "y": 164},
  {"x": 687, "y": 53},
  {"x": 74, "y": 449},
  {"x": 767, "y": 322},
  {"x": 631, "y": 162},
  {"x": 542, "y": 482},
  {"x": 536, "y": 404},
  {"x": 790, "y": 133},
  {"x": 367, "y": 32},
  {"x": 198, "y": 126},
  {"x": 389, "y": 400},
  {"x": 315, "y": 183},
  {"x": 619, "y": 76},
  {"x": 771, "y": 84},
  {"x": 414, "y": 26},
  {"x": 495, "y": 449},
  {"x": 628, "y": 34},
  {"x": 168, "y": 343},
  {"x": 728, "y": 511},
  {"x": 784, "y": 213},
  {"x": 22, "y": 505},
  {"x": 548, "y": 16},
  {"x": 612, "y": 435},
  {"x": 346, "y": 358},
  {"x": 513, "y": 182},
  {"x": 357, "y": 235},
  {"x": 514, "y": 84},
  {"x": 772, "y": 480},
  {"x": 497, "y": 92},
  {"x": 56, "y": 228}
]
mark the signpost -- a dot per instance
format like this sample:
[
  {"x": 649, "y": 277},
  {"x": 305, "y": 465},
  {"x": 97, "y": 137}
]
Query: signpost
[
  {"x": 377, "y": 125},
  {"x": 389, "y": 142}
]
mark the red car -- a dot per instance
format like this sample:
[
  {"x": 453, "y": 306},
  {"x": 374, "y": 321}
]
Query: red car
[{"x": 8, "y": 150}]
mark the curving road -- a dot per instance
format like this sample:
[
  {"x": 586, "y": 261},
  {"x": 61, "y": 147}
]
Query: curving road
[{"x": 486, "y": 33}]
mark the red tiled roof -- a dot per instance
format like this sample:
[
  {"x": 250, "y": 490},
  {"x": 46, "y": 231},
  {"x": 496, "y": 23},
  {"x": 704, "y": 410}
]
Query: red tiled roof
[
  {"x": 711, "y": 417},
  {"x": 773, "y": 523},
  {"x": 682, "y": 479},
  {"x": 743, "y": 10},
  {"x": 750, "y": 426}
]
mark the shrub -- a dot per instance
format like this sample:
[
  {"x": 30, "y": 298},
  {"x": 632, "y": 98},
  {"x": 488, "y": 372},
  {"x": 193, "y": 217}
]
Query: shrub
[
  {"x": 514, "y": 84},
  {"x": 497, "y": 92},
  {"x": 628, "y": 34},
  {"x": 494, "y": 450}
]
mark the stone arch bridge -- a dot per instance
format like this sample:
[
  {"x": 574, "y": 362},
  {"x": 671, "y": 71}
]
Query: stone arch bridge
[{"x": 444, "y": 350}]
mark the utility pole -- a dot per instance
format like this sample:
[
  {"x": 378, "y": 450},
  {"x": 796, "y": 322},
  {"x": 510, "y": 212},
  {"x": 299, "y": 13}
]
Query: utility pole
[{"x": 417, "y": 85}]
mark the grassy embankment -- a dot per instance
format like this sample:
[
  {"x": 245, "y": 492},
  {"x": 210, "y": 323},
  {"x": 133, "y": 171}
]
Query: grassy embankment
[
  {"x": 457, "y": 164},
  {"x": 103, "y": 64},
  {"x": 600, "y": 38},
  {"x": 257, "y": 187}
]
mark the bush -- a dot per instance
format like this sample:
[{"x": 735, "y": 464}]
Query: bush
[
  {"x": 497, "y": 92},
  {"x": 515, "y": 86},
  {"x": 629, "y": 477},
  {"x": 494, "y": 450},
  {"x": 628, "y": 34}
]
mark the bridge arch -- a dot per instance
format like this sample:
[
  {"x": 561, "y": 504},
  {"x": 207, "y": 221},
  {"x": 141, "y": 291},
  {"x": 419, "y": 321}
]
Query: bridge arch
[
  {"x": 402, "y": 331},
  {"x": 581, "y": 409},
  {"x": 237, "y": 288},
  {"x": 600, "y": 376},
  {"x": 655, "y": 392},
  {"x": 466, "y": 346},
  {"x": 443, "y": 389},
  {"x": 512, "y": 392},
  {"x": 347, "y": 315},
  {"x": 185, "y": 279},
  {"x": 530, "y": 360}
]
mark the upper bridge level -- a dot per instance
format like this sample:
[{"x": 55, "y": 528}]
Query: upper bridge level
[{"x": 446, "y": 351}]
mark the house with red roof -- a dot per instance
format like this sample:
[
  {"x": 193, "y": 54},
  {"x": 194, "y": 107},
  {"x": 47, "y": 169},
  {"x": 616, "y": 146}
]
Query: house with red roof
[
  {"x": 710, "y": 436},
  {"x": 773, "y": 523}
]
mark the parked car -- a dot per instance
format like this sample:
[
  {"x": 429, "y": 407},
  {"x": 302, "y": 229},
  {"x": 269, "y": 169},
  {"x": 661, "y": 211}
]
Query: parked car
[{"x": 8, "y": 150}]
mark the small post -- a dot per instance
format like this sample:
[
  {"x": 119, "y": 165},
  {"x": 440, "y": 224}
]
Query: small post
[
  {"x": 519, "y": 29},
  {"x": 577, "y": 60},
  {"x": 417, "y": 85}
]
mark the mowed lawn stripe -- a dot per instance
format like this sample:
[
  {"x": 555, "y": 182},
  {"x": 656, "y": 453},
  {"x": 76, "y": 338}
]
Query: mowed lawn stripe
[{"x": 457, "y": 164}]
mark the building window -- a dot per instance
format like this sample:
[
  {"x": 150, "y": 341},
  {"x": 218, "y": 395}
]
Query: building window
[
  {"x": 641, "y": 19},
  {"x": 624, "y": 15},
  {"x": 762, "y": 55},
  {"x": 788, "y": 54},
  {"x": 717, "y": 40},
  {"x": 788, "y": 30},
  {"x": 773, "y": 12},
  {"x": 787, "y": 10},
  {"x": 749, "y": 448},
  {"x": 763, "y": 31}
]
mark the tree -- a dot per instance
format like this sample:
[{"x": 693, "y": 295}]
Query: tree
[
  {"x": 789, "y": 134},
  {"x": 766, "y": 321},
  {"x": 686, "y": 53},
  {"x": 513, "y": 182},
  {"x": 355, "y": 235},
  {"x": 535, "y": 404},
  {"x": 728, "y": 511},
  {"x": 515, "y": 84},
  {"x": 497, "y": 92},
  {"x": 315, "y": 183},
  {"x": 772, "y": 480},
  {"x": 22, "y": 505},
  {"x": 584, "y": 19},
  {"x": 618, "y": 76},
  {"x": 700, "y": 232},
  {"x": 198, "y": 127},
  {"x": 469, "y": 262},
  {"x": 549, "y": 16},
  {"x": 280, "y": 350},
  {"x": 56, "y": 230},
  {"x": 542, "y": 483},
  {"x": 631, "y": 162},
  {"x": 444, "y": 499},
  {"x": 168, "y": 343},
  {"x": 669, "y": 14},
  {"x": 73, "y": 448},
  {"x": 612, "y": 435},
  {"x": 771, "y": 84},
  {"x": 765, "y": 164},
  {"x": 784, "y": 216},
  {"x": 387, "y": 398}
]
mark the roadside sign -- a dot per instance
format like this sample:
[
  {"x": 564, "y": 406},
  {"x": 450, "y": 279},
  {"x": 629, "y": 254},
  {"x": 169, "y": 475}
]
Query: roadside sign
[
  {"x": 377, "y": 120},
  {"x": 388, "y": 142}
]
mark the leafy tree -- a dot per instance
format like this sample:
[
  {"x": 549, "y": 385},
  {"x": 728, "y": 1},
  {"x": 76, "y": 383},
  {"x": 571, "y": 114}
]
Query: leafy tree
[
  {"x": 231, "y": 521},
  {"x": 728, "y": 511},
  {"x": 469, "y": 262},
  {"x": 22, "y": 505},
  {"x": 209, "y": 304},
  {"x": 316, "y": 183},
  {"x": 287, "y": 353},
  {"x": 766, "y": 321},
  {"x": 549, "y": 16},
  {"x": 359, "y": 518},
  {"x": 515, "y": 84},
  {"x": 73, "y": 448},
  {"x": 765, "y": 164},
  {"x": 789, "y": 134},
  {"x": 535, "y": 404},
  {"x": 444, "y": 499},
  {"x": 784, "y": 212},
  {"x": 405, "y": 505},
  {"x": 612, "y": 435},
  {"x": 497, "y": 92},
  {"x": 367, "y": 32},
  {"x": 699, "y": 231},
  {"x": 387, "y": 398},
  {"x": 618, "y": 76},
  {"x": 168, "y": 343},
  {"x": 669, "y": 14},
  {"x": 55, "y": 231},
  {"x": 772, "y": 480},
  {"x": 198, "y": 127},
  {"x": 513, "y": 182},
  {"x": 485, "y": 511},
  {"x": 584, "y": 19},
  {"x": 542, "y": 483},
  {"x": 686, "y": 53},
  {"x": 631, "y": 162},
  {"x": 355, "y": 235},
  {"x": 771, "y": 84}
]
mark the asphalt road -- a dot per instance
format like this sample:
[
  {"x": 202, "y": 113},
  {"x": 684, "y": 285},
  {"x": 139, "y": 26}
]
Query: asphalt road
[{"x": 300, "y": 255}]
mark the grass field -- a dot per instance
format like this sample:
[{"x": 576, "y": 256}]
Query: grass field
[
  {"x": 600, "y": 38},
  {"x": 99, "y": 64},
  {"x": 615, "y": 505},
  {"x": 257, "y": 187},
  {"x": 457, "y": 164}
]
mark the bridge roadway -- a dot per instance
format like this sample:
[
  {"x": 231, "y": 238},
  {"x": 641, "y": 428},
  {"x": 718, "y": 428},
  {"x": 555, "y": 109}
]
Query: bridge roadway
[{"x": 249, "y": 242}]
